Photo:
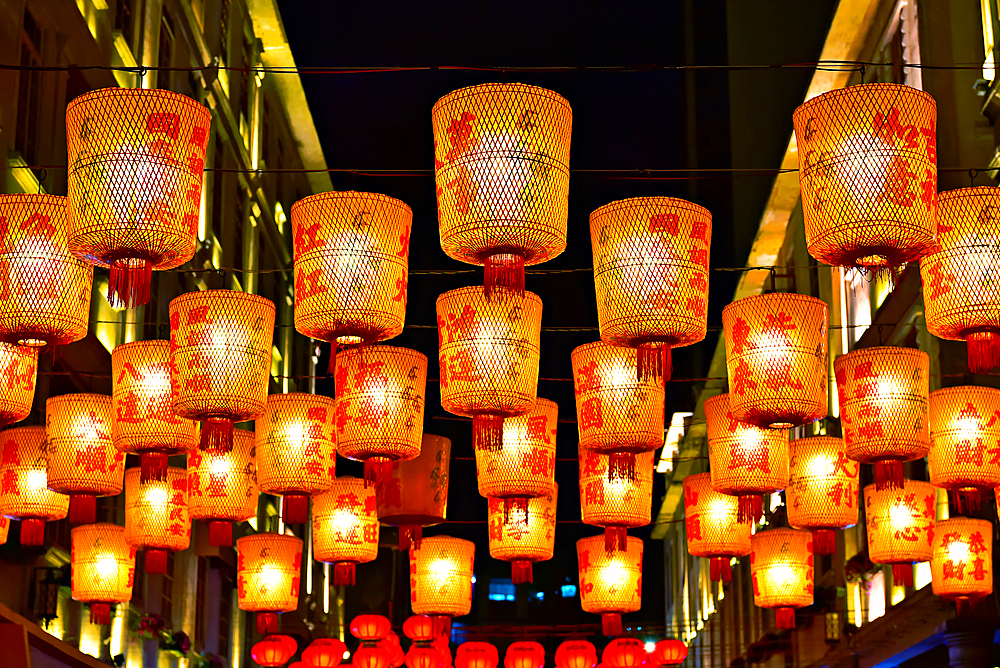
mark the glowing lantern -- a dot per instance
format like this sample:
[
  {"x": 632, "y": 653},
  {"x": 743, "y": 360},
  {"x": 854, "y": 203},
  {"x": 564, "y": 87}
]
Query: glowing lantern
[
  {"x": 345, "y": 527},
  {"x": 371, "y": 657},
  {"x": 616, "y": 504},
  {"x": 274, "y": 650},
  {"x": 440, "y": 643},
  {"x": 422, "y": 657},
  {"x": 962, "y": 564},
  {"x": 222, "y": 487},
  {"x": 24, "y": 494},
  {"x": 103, "y": 568},
  {"x": 900, "y": 526},
  {"x": 668, "y": 652},
  {"x": 136, "y": 157},
  {"x": 267, "y": 576},
  {"x": 156, "y": 516},
  {"x": 83, "y": 463},
  {"x": 822, "y": 492},
  {"x": 868, "y": 173},
  {"x": 415, "y": 495},
  {"x": 220, "y": 360},
  {"x": 522, "y": 543},
  {"x": 324, "y": 653},
  {"x": 391, "y": 645},
  {"x": 370, "y": 628},
  {"x": 576, "y": 654},
  {"x": 441, "y": 578},
  {"x": 781, "y": 566},
  {"x": 18, "y": 368},
  {"x": 883, "y": 408},
  {"x": 524, "y": 654},
  {"x": 419, "y": 628},
  {"x": 746, "y": 461},
  {"x": 610, "y": 582},
  {"x": 476, "y": 654},
  {"x": 624, "y": 653},
  {"x": 379, "y": 406},
  {"x": 713, "y": 530},
  {"x": 489, "y": 354},
  {"x": 4, "y": 529}
]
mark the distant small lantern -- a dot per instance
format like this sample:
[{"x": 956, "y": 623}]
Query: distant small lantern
[
  {"x": 371, "y": 657},
  {"x": 136, "y": 160},
  {"x": 18, "y": 371},
  {"x": 44, "y": 289},
  {"x": 610, "y": 582},
  {"x": 415, "y": 495},
  {"x": 489, "y": 353},
  {"x": 712, "y": 528},
  {"x": 24, "y": 491},
  {"x": 651, "y": 273},
  {"x": 441, "y": 578},
  {"x": 273, "y": 650},
  {"x": 419, "y": 628},
  {"x": 296, "y": 452},
  {"x": 781, "y": 566},
  {"x": 624, "y": 653},
  {"x": 145, "y": 423},
  {"x": 822, "y": 492},
  {"x": 883, "y": 396},
  {"x": 345, "y": 527},
  {"x": 156, "y": 516},
  {"x": 102, "y": 569},
  {"x": 523, "y": 543},
  {"x": 324, "y": 653},
  {"x": 524, "y": 654},
  {"x": 576, "y": 654},
  {"x": 668, "y": 652},
  {"x": 422, "y": 657},
  {"x": 391, "y": 645},
  {"x": 746, "y": 461},
  {"x": 900, "y": 525},
  {"x": 868, "y": 173},
  {"x": 962, "y": 563},
  {"x": 370, "y": 628},
  {"x": 616, "y": 414},
  {"x": 220, "y": 360},
  {"x": 618, "y": 504},
  {"x": 267, "y": 576},
  {"x": 222, "y": 487},
  {"x": 476, "y": 654}
]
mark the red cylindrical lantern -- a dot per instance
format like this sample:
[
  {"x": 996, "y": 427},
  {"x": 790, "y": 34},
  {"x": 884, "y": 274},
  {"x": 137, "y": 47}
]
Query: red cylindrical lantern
[
  {"x": 617, "y": 504},
  {"x": 370, "y": 628},
  {"x": 900, "y": 526},
  {"x": 610, "y": 582},
  {"x": 274, "y": 650},
  {"x": 962, "y": 563},
  {"x": 102, "y": 568},
  {"x": 524, "y": 654},
  {"x": 523, "y": 543},
  {"x": 324, "y": 653},
  {"x": 18, "y": 369},
  {"x": 781, "y": 565},
  {"x": 822, "y": 492},
  {"x": 441, "y": 578},
  {"x": 24, "y": 491},
  {"x": 156, "y": 516},
  {"x": 576, "y": 654},
  {"x": 415, "y": 495},
  {"x": 267, "y": 576},
  {"x": 624, "y": 653},
  {"x": 222, "y": 487},
  {"x": 712, "y": 526},
  {"x": 345, "y": 527},
  {"x": 668, "y": 652}
]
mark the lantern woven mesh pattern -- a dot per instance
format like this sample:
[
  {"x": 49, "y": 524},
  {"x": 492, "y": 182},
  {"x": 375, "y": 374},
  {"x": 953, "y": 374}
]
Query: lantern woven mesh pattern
[
  {"x": 44, "y": 289},
  {"x": 267, "y": 572},
  {"x": 417, "y": 490},
  {"x": 156, "y": 512},
  {"x": 615, "y": 503},
  {"x": 345, "y": 522},
  {"x": 380, "y": 402},
  {"x": 868, "y": 173},
  {"x": 822, "y": 491},
  {"x": 136, "y": 158},
  {"x": 24, "y": 491},
  {"x": 103, "y": 564},
  {"x": 883, "y": 403},
  {"x": 651, "y": 270},
  {"x": 220, "y": 354},
  {"x": 223, "y": 485},
  {"x": 142, "y": 391},
  {"x": 526, "y": 465},
  {"x": 295, "y": 444},
  {"x": 489, "y": 352},
  {"x": 501, "y": 157},
  {"x": 962, "y": 563},
  {"x": 965, "y": 437},
  {"x": 900, "y": 522},
  {"x": 78, "y": 443},
  {"x": 776, "y": 356},
  {"x": 781, "y": 565},
  {"x": 351, "y": 266},
  {"x": 615, "y": 412},
  {"x": 710, "y": 520},
  {"x": 744, "y": 459},
  {"x": 18, "y": 372},
  {"x": 610, "y": 582},
  {"x": 441, "y": 576},
  {"x": 534, "y": 541}
]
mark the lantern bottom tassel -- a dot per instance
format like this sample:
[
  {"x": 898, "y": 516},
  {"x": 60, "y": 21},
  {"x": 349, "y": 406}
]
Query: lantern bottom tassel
[
  {"x": 621, "y": 466},
  {"x": 969, "y": 603},
  {"x": 377, "y": 470},
  {"x": 153, "y": 466},
  {"x": 750, "y": 508},
  {"x": 983, "y": 351},
  {"x": 653, "y": 361},
  {"x": 825, "y": 541},
  {"x": 964, "y": 500},
  {"x": 515, "y": 511},
  {"x": 82, "y": 508},
  {"x": 902, "y": 574},
  {"x": 128, "y": 283},
  {"x": 611, "y": 624},
  {"x": 520, "y": 571},
  {"x": 32, "y": 532},
  {"x": 217, "y": 434},
  {"x": 440, "y": 625},
  {"x": 156, "y": 561},
  {"x": 487, "y": 432},
  {"x": 100, "y": 613},
  {"x": 889, "y": 474},
  {"x": 615, "y": 537},
  {"x": 410, "y": 535},
  {"x": 504, "y": 272},
  {"x": 220, "y": 533},
  {"x": 784, "y": 618},
  {"x": 295, "y": 508},
  {"x": 267, "y": 622},
  {"x": 343, "y": 574},
  {"x": 721, "y": 569}
]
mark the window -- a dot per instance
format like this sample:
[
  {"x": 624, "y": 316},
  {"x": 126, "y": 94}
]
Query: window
[
  {"x": 502, "y": 589},
  {"x": 568, "y": 591},
  {"x": 28, "y": 91},
  {"x": 124, "y": 20},
  {"x": 164, "y": 57}
]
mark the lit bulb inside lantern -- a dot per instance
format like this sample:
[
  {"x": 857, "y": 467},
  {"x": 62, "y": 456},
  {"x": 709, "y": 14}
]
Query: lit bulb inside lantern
[
  {"x": 900, "y": 515},
  {"x": 39, "y": 260},
  {"x": 719, "y": 509},
  {"x": 157, "y": 495},
  {"x": 958, "y": 551},
  {"x": 155, "y": 381},
  {"x": 295, "y": 431},
  {"x": 614, "y": 574},
  {"x": 501, "y": 172},
  {"x": 967, "y": 427},
  {"x": 106, "y": 565},
  {"x": 820, "y": 466},
  {"x": 646, "y": 266},
  {"x": 864, "y": 165},
  {"x": 344, "y": 522},
  {"x": 782, "y": 575},
  {"x": 352, "y": 266},
  {"x": 770, "y": 347},
  {"x": 749, "y": 438},
  {"x": 137, "y": 180},
  {"x": 271, "y": 577},
  {"x": 220, "y": 466},
  {"x": 36, "y": 479},
  {"x": 441, "y": 568},
  {"x": 615, "y": 374},
  {"x": 221, "y": 336},
  {"x": 886, "y": 388}
]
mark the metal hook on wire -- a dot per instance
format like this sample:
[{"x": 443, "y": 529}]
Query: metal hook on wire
[
  {"x": 973, "y": 173},
  {"x": 42, "y": 175},
  {"x": 880, "y": 334}
]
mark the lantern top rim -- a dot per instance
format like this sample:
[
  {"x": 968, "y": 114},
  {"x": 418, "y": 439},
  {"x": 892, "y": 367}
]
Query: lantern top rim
[
  {"x": 98, "y": 525},
  {"x": 777, "y": 532},
  {"x": 349, "y": 195},
  {"x": 965, "y": 389},
  {"x": 147, "y": 343},
  {"x": 511, "y": 88},
  {"x": 298, "y": 396},
  {"x": 927, "y": 487},
  {"x": 653, "y": 199},
  {"x": 78, "y": 395},
  {"x": 27, "y": 430},
  {"x": 823, "y": 438},
  {"x": 957, "y": 193},
  {"x": 773, "y": 296},
  {"x": 443, "y": 538},
  {"x": 624, "y": 351},
  {"x": 36, "y": 198},
  {"x": 200, "y": 295},
  {"x": 134, "y": 471},
  {"x": 101, "y": 93},
  {"x": 267, "y": 536},
  {"x": 860, "y": 89},
  {"x": 477, "y": 291},
  {"x": 874, "y": 351},
  {"x": 719, "y": 398},
  {"x": 599, "y": 540},
  {"x": 375, "y": 348}
]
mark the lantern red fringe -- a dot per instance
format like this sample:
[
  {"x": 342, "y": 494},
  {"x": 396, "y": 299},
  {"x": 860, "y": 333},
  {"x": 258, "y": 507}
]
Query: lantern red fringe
[
  {"x": 515, "y": 510},
  {"x": 128, "y": 284},
  {"x": 343, "y": 574},
  {"x": 749, "y": 508},
  {"x": 377, "y": 470},
  {"x": 267, "y": 622},
  {"x": 720, "y": 569},
  {"x": 295, "y": 508},
  {"x": 82, "y": 508},
  {"x": 889, "y": 474},
  {"x": 217, "y": 434},
  {"x": 653, "y": 362},
  {"x": 521, "y": 571},
  {"x": 504, "y": 273},
  {"x": 963, "y": 501},
  {"x": 611, "y": 624},
  {"x": 963, "y": 603},
  {"x": 784, "y": 618},
  {"x": 487, "y": 432},
  {"x": 983, "y": 351},
  {"x": 220, "y": 533},
  {"x": 440, "y": 625},
  {"x": 902, "y": 574},
  {"x": 621, "y": 466},
  {"x": 156, "y": 561},
  {"x": 410, "y": 535},
  {"x": 824, "y": 541},
  {"x": 153, "y": 466},
  {"x": 615, "y": 537},
  {"x": 100, "y": 613},
  {"x": 32, "y": 532}
]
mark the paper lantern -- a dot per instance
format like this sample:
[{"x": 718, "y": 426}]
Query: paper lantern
[
  {"x": 156, "y": 516},
  {"x": 422, "y": 657},
  {"x": 776, "y": 356},
  {"x": 712, "y": 528},
  {"x": 371, "y": 657},
  {"x": 324, "y": 653},
  {"x": 883, "y": 408},
  {"x": 24, "y": 492},
  {"x": 822, "y": 492},
  {"x": 142, "y": 391},
  {"x": 102, "y": 568},
  {"x": 18, "y": 369},
  {"x": 136, "y": 157},
  {"x": 616, "y": 413},
  {"x": 624, "y": 653},
  {"x": 415, "y": 495},
  {"x": 370, "y": 628},
  {"x": 391, "y": 645},
  {"x": 83, "y": 463},
  {"x": 781, "y": 567},
  {"x": 267, "y": 576},
  {"x": 610, "y": 582},
  {"x": 476, "y": 654},
  {"x": 501, "y": 163},
  {"x": 746, "y": 461},
  {"x": 962, "y": 563},
  {"x": 222, "y": 487},
  {"x": 489, "y": 354},
  {"x": 379, "y": 406},
  {"x": 4, "y": 529},
  {"x": 345, "y": 527},
  {"x": 576, "y": 654},
  {"x": 523, "y": 542},
  {"x": 274, "y": 650},
  {"x": 296, "y": 453},
  {"x": 524, "y": 654},
  {"x": 419, "y": 628},
  {"x": 616, "y": 504},
  {"x": 441, "y": 578},
  {"x": 44, "y": 289},
  {"x": 668, "y": 652},
  {"x": 440, "y": 643},
  {"x": 900, "y": 525},
  {"x": 220, "y": 360},
  {"x": 868, "y": 174}
]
